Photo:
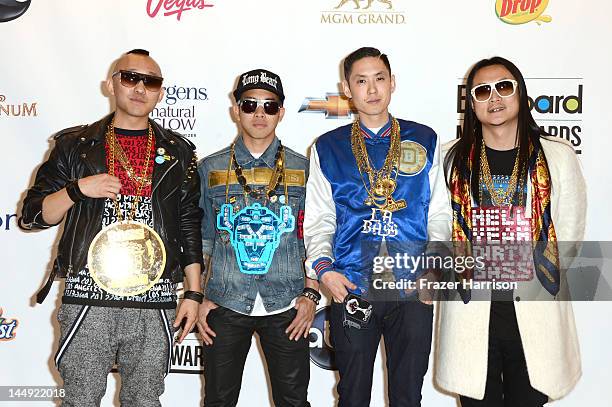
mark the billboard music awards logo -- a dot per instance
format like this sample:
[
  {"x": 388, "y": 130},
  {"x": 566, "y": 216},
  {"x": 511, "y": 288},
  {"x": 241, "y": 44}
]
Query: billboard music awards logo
[
  {"x": 8, "y": 328},
  {"x": 363, "y": 12},
  {"x": 174, "y": 7},
  {"x": 322, "y": 352},
  {"x": 555, "y": 104},
  {"x": 188, "y": 356},
  {"x": 12, "y": 9},
  {"x": 334, "y": 105},
  {"x": 23, "y": 109},
  {"x": 522, "y": 11},
  {"x": 178, "y": 109}
]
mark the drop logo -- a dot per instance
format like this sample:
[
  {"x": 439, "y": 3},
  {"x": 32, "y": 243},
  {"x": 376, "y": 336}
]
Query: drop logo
[
  {"x": 522, "y": 11},
  {"x": 12, "y": 9}
]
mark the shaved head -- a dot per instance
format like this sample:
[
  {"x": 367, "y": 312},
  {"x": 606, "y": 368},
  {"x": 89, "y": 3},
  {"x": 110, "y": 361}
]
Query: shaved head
[{"x": 138, "y": 62}]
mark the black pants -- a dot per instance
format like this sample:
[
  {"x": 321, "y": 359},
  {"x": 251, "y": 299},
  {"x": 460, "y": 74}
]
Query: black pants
[
  {"x": 288, "y": 361},
  {"x": 506, "y": 358},
  {"x": 407, "y": 328}
]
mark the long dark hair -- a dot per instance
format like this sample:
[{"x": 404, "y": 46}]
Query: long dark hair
[{"x": 527, "y": 129}]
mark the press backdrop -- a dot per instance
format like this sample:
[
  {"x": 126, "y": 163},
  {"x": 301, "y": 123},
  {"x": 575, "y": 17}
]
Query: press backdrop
[{"x": 55, "y": 57}]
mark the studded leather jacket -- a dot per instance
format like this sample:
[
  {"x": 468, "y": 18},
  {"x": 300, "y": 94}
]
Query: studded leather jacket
[{"x": 80, "y": 152}]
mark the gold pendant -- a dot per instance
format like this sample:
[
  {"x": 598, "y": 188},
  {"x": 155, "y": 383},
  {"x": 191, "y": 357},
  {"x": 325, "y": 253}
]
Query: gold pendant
[
  {"x": 385, "y": 187},
  {"x": 126, "y": 258},
  {"x": 378, "y": 190},
  {"x": 392, "y": 205}
]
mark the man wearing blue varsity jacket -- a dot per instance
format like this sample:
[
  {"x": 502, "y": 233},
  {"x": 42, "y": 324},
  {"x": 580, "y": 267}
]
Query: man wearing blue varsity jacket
[{"x": 376, "y": 189}]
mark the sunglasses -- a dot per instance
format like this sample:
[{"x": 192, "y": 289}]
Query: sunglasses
[
  {"x": 504, "y": 88},
  {"x": 130, "y": 79},
  {"x": 249, "y": 106}
]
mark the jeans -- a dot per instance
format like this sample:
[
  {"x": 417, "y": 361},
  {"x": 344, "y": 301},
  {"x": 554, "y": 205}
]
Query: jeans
[{"x": 407, "y": 328}]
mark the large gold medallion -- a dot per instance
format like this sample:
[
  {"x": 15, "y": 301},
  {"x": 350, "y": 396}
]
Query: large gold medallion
[
  {"x": 413, "y": 158},
  {"x": 126, "y": 258}
]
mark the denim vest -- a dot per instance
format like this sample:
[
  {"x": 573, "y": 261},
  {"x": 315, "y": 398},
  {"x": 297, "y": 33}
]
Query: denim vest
[{"x": 228, "y": 286}]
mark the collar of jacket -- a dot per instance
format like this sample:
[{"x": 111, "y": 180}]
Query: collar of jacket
[
  {"x": 384, "y": 131},
  {"x": 383, "y": 136},
  {"x": 244, "y": 157},
  {"x": 95, "y": 135}
]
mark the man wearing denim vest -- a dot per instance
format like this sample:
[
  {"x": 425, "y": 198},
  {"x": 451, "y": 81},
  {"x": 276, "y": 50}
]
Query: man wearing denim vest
[{"x": 253, "y": 202}]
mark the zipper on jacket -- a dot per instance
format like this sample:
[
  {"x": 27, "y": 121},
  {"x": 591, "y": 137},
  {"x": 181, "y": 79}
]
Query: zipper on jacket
[
  {"x": 153, "y": 190},
  {"x": 70, "y": 266},
  {"x": 163, "y": 176},
  {"x": 84, "y": 154},
  {"x": 88, "y": 163}
]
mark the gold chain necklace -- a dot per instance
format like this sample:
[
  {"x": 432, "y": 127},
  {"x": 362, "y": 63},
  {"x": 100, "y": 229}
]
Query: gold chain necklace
[
  {"x": 126, "y": 258},
  {"x": 125, "y": 163},
  {"x": 497, "y": 198},
  {"x": 382, "y": 182},
  {"x": 111, "y": 140},
  {"x": 278, "y": 175}
]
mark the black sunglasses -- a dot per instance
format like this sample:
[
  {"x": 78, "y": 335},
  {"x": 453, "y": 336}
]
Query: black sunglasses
[
  {"x": 130, "y": 79},
  {"x": 249, "y": 106}
]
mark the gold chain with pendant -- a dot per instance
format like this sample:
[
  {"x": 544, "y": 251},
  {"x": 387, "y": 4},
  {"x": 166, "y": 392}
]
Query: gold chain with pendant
[
  {"x": 125, "y": 163},
  {"x": 497, "y": 198},
  {"x": 383, "y": 182},
  {"x": 143, "y": 179},
  {"x": 127, "y": 258},
  {"x": 277, "y": 176}
]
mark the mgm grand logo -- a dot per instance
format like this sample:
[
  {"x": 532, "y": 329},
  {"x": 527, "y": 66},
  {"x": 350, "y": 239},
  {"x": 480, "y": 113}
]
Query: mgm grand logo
[{"x": 364, "y": 12}]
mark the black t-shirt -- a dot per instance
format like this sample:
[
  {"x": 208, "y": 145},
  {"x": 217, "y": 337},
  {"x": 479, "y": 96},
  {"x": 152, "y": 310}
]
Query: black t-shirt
[
  {"x": 503, "y": 324},
  {"x": 80, "y": 287}
]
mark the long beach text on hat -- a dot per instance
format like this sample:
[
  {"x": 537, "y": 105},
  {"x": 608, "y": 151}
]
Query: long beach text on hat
[{"x": 255, "y": 79}]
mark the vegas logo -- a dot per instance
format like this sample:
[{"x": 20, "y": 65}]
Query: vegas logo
[{"x": 174, "y": 7}]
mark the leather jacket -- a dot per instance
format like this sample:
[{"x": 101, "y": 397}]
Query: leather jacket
[{"x": 80, "y": 152}]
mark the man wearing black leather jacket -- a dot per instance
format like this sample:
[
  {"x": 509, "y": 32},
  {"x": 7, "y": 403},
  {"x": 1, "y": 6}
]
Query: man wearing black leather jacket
[{"x": 129, "y": 192}]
